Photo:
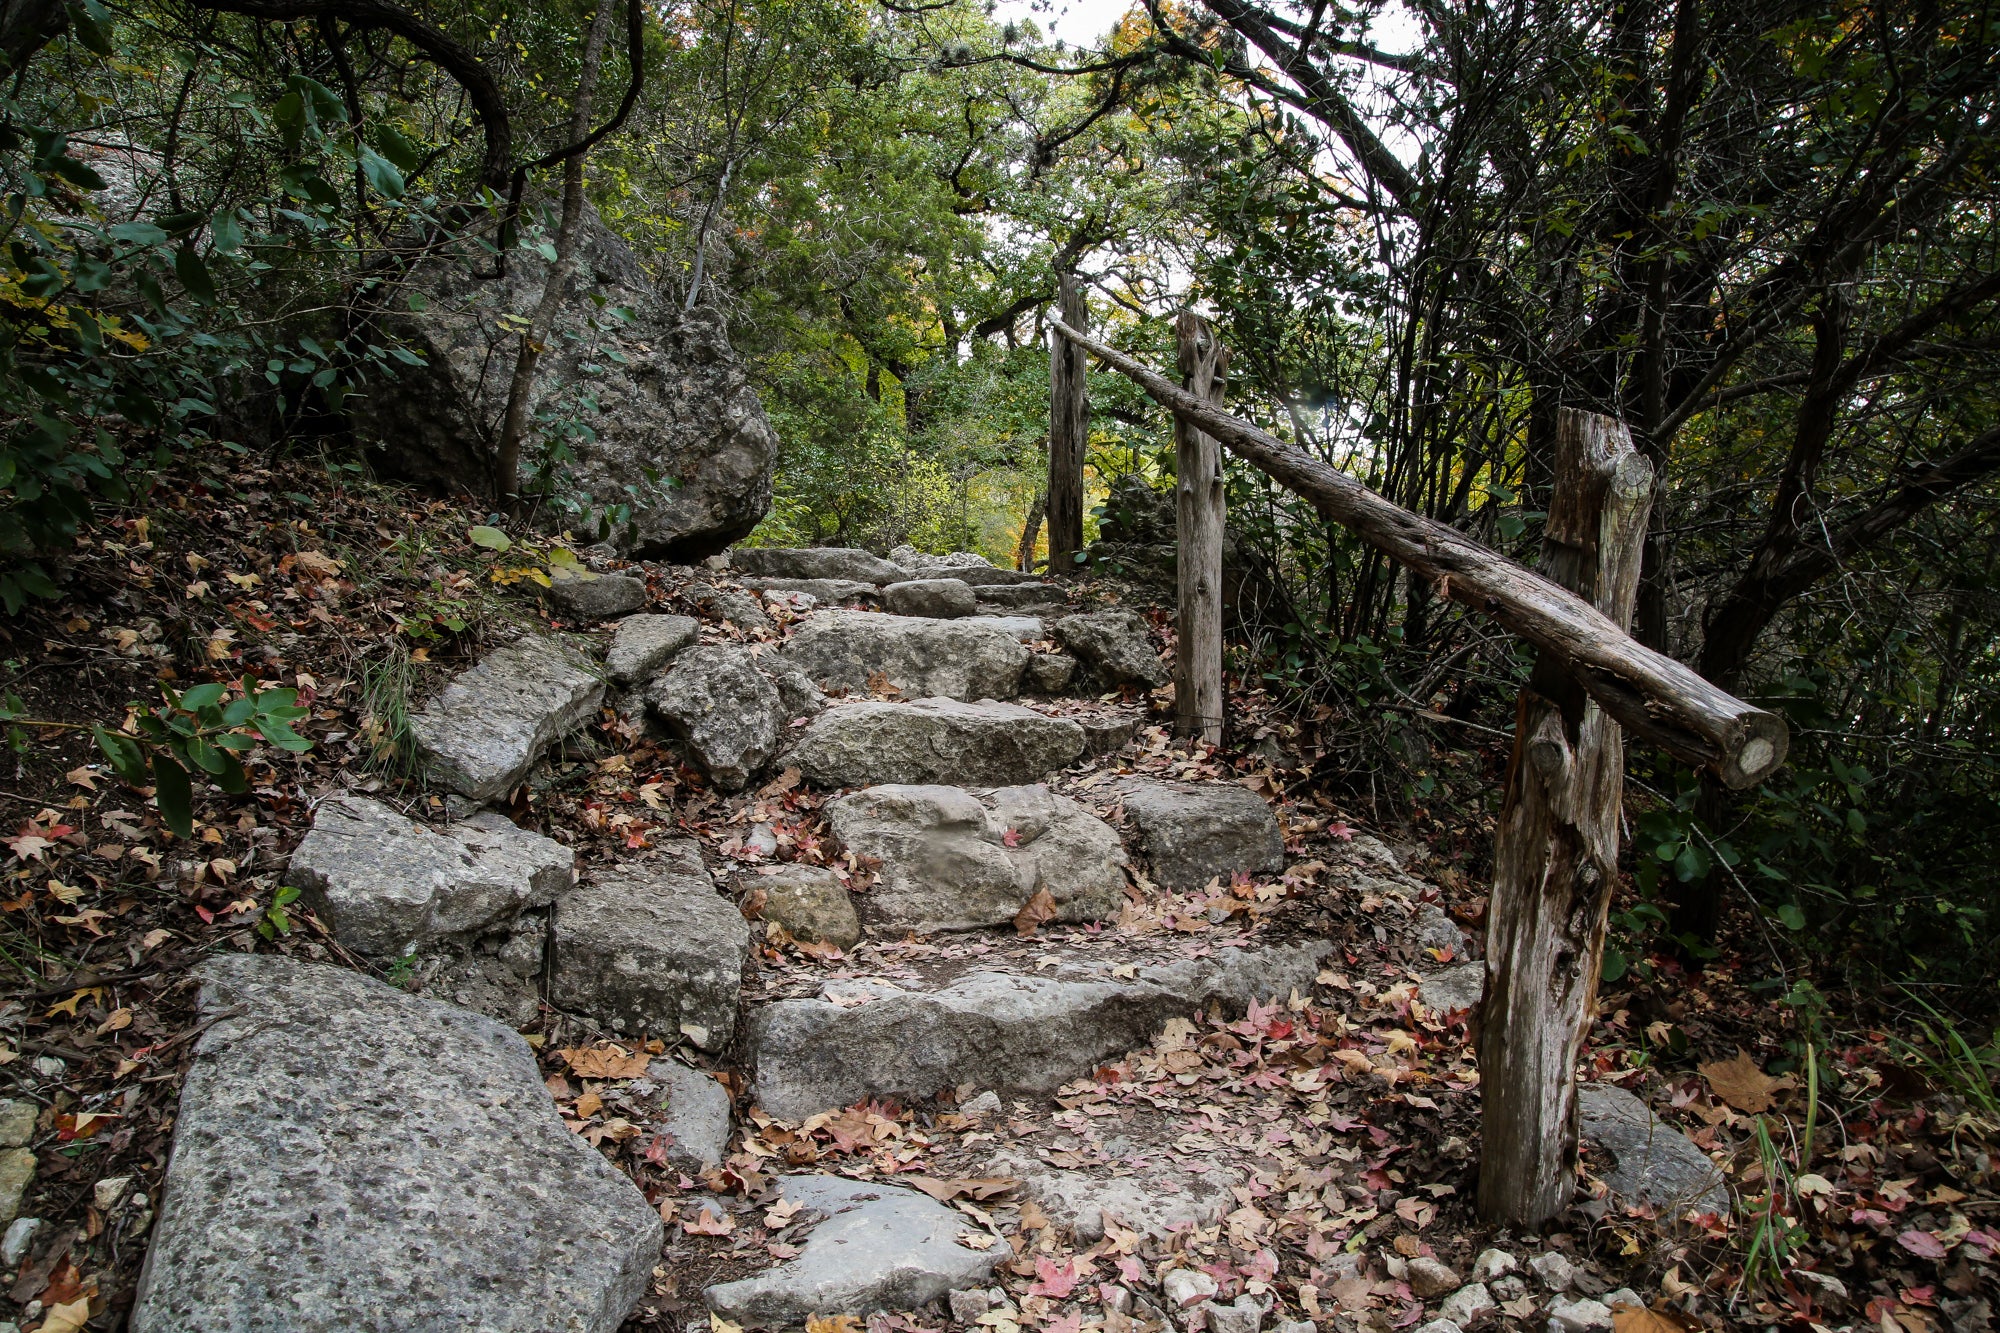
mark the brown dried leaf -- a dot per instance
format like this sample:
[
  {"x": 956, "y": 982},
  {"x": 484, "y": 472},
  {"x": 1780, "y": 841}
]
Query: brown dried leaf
[
  {"x": 1742, "y": 1084},
  {"x": 1633, "y": 1319},
  {"x": 605, "y": 1062},
  {"x": 979, "y": 1187},
  {"x": 1035, "y": 911},
  {"x": 710, "y": 1223}
]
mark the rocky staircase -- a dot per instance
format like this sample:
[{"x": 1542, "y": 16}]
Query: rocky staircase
[{"x": 987, "y": 915}]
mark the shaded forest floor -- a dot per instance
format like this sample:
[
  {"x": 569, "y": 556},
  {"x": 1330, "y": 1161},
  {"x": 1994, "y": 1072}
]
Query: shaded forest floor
[{"x": 364, "y": 599}]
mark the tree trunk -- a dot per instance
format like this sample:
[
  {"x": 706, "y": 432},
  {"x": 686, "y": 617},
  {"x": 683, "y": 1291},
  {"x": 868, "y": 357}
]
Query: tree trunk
[
  {"x": 1199, "y": 510},
  {"x": 507, "y": 455},
  {"x": 1031, "y": 533},
  {"x": 1555, "y": 854},
  {"x": 1652, "y": 695},
  {"x": 1069, "y": 434}
]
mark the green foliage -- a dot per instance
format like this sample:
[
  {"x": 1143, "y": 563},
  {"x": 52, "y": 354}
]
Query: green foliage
[
  {"x": 276, "y": 920},
  {"x": 200, "y": 732}
]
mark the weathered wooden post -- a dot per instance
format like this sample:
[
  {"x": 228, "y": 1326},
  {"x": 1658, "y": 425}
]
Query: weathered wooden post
[
  {"x": 1555, "y": 854},
  {"x": 1200, "y": 510},
  {"x": 1069, "y": 432}
]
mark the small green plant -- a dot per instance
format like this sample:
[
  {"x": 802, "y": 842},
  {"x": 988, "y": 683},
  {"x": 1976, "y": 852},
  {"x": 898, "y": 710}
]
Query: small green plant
[
  {"x": 200, "y": 731},
  {"x": 276, "y": 920},
  {"x": 1970, "y": 1073},
  {"x": 1776, "y": 1233}
]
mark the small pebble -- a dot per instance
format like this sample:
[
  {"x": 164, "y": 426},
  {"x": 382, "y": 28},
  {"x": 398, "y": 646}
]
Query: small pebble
[
  {"x": 1491, "y": 1264},
  {"x": 19, "y": 1239},
  {"x": 1468, "y": 1303},
  {"x": 1578, "y": 1316},
  {"x": 110, "y": 1192},
  {"x": 1185, "y": 1286},
  {"x": 967, "y": 1306}
]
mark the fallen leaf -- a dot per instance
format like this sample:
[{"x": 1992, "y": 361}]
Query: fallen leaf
[
  {"x": 317, "y": 564},
  {"x": 1035, "y": 911},
  {"x": 1922, "y": 1244},
  {"x": 120, "y": 1018},
  {"x": 83, "y": 777},
  {"x": 780, "y": 1214},
  {"x": 69, "y": 1318},
  {"x": 981, "y": 1188},
  {"x": 1742, "y": 1084},
  {"x": 1053, "y": 1280},
  {"x": 605, "y": 1062},
  {"x": 977, "y": 1240},
  {"x": 710, "y": 1223},
  {"x": 840, "y": 1323},
  {"x": 1634, "y": 1319}
]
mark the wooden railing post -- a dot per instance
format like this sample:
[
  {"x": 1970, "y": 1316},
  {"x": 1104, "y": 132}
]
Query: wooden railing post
[
  {"x": 1200, "y": 510},
  {"x": 1069, "y": 432},
  {"x": 1555, "y": 853}
]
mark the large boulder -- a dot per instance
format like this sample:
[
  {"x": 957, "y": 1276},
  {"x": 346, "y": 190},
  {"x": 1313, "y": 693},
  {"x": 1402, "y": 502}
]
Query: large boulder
[
  {"x": 678, "y": 433},
  {"x": 996, "y": 1029},
  {"x": 1115, "y": 646},
  {"x": 486, "y": 730},
  {"x": 956, "y": 659},
  {"x": 934, "y": 740},
  {"x": 386, "y": 884},
  {"x": 872, "y": 1247},
  {"x": 815, "y": 562},
  {"x": 650, "y": 947},
  {"x": 724, "y": 708},
  {"x": 951, "y": 861},
  {"x": 1191, "y": 833},
  {"x": 348, "y": 1157}
]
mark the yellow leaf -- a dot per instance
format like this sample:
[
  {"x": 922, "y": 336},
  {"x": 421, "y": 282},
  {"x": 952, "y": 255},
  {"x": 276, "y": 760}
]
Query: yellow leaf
[
  {"x": 717, "y": 1324},
  {"x": 1632, "y": 1319},
  {"x": 710, "y": 1223},
  {"x": 66, "y": 894},
  {"x": 840, "y": 1323},
  {"x": 605, "y": 1062},
  {"x": 588, "y": 1105},
  {"x": 120, "y": 1019},
  {"x": 67, "y": 1006},
  {"x": 68, "y": 1318}
]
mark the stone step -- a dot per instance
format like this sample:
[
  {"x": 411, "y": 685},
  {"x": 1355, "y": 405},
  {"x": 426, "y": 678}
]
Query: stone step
[
  {"x": 482, "y": 734},
  {"x": 856, "y": 652},
  {"x": 985, "y": 744},
  {"x": 1002, "y": 1022},
  {"x": 347, "y": 1156}
]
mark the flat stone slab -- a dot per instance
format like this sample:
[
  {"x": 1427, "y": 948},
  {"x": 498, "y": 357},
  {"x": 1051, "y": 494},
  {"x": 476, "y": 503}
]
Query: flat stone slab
[
  {"x": 1656, "y": 1164},
  {"x": 815, "y": 562},
  {"x": 956, "y": 659},
  {"x": 996, "y": 1029},
  {"x": 878, "y": 1247},
  {"x": 480, "y": 737},
  {"x": 1018, "y": 594},
  {"x": 349, "y": 1157},
  {"x": 1155, "y": 1201},
  {"x": 953, "y": 860},
  {"x": 580, "y": 595},
  {"x": 984, "y": 744},
  {"x": 1191, "y": 833},
  {"x": 649, "y": 947},
  {"x": 387, "y": 884},
  {"x": 809, "y": 902},
  {"x": 641, "y": 645},
  {"x": 940, "y": 599}
]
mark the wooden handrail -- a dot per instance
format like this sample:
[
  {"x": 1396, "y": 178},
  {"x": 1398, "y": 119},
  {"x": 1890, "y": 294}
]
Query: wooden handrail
[{"x": 1651, "y": 694}]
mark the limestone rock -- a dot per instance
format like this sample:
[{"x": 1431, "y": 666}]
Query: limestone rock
[
  {"x": 938, "y": 599},
  {"x": 1555, "y": 1269},
  {"x": 811, "y": 904},
  {"x": 719, "y": 702},
  {"x": 651, "y": 945},
  {"x": 732, "y": 606},
  {"x": 828, "y": 592},
  {"x": 1581, "y": 1315},
  {"x": 697, "y": 1115},
  {"x": 498, "y": 975},
  {"x": 1434, "y": 929},
  {"x": 1032, "y": 1033},
  {"x": 920, "y": 564},
  {"x": 1429, "y": 1278},
  {"x": 585, "y": 598},
  {"x": 1656, "y": 1164},
  {"x": 17, "y": 1122},
  {"x": 1190, "y": 833},
  {"x": 492, "y": 722},
  {"x": 18, "y": 1240},
  {"x": 1115, "y": 646},
  {"x": 1106, "y": 733},
  {"x": 1026, "y": 629},
  {"x": 1454, "y": 989},
  {"x": 955, "y": 659},
  {"x": 1153, "y": 1202},
  {"x": 1244, "y": 1316},
  {"x": 1493, "y": 1263},
  {"x": 934, "y": 740},
  {"x": 981, "y": 575},
  {"x": 1017, "y": 594},
  {"x": 815, "y": 562},
  {"x": 1184, "y": 1287},
  {"x": 641, "y": 645},
  {"x": 17, "y": 1172},
  {"x": 879, "y": 1247},
  {"x": 349, "y": 1157},
  {"x": 953, "y": 862},
  {"x": 1049, "y": 673},
  {"x": 682, "y": 438},
  {"x": 386, "y": 884}
]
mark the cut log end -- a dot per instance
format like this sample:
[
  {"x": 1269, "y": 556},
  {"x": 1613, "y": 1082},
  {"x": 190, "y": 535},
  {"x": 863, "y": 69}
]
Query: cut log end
[{"x": 1761, "y": 752}]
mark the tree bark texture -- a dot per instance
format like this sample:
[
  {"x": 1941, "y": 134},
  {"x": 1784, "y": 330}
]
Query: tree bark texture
[
  {"x": 1069, "y": 433},
  {"x": 1555, "y": 854},
  {"x": 1653, "y": 696},
  {"x": 1200, "y": 510}
]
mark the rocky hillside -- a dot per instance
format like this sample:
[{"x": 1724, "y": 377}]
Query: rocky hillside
[{"x": 795, "y": 940}]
